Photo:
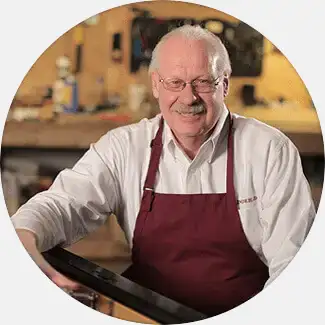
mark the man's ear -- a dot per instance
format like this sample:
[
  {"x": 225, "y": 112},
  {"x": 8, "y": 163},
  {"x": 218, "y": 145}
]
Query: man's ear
[
  {"x": 155, "y": 84},
  {"x": 225, "y": 86}
]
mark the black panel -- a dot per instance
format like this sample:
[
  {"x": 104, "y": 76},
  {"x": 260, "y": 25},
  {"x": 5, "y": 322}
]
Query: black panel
[
  {"x": 146, "y": 302},
  {"x": 244, "y": 44}
]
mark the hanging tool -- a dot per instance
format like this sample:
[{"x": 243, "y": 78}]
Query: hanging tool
[{"x": 78, "y": 39}]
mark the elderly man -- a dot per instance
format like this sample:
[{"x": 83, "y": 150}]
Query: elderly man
[{"x": 214, "y": 205}]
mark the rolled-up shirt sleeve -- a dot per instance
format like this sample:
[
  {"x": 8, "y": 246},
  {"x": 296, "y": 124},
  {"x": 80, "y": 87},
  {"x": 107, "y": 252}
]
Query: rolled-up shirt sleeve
[
  {"x": 288, "y": 209},
  {"x": 79, "y": 200}
]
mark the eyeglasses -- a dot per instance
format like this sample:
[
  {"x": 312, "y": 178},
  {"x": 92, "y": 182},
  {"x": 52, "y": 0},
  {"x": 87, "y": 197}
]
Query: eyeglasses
[{"x": 200, "y": 85}]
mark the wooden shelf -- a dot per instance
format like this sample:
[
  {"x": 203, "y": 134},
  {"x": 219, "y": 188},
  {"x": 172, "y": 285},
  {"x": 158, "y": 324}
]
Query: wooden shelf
[
  {"x": 289, "y": 120},
  {"x": 53, "y": 135}
]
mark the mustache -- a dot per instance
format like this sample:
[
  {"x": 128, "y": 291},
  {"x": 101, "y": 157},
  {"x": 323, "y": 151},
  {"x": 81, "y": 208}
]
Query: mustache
[{"x": 193, "y": 109}]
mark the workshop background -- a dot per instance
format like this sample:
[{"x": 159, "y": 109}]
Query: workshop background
[{"x": 94, "y": 78}]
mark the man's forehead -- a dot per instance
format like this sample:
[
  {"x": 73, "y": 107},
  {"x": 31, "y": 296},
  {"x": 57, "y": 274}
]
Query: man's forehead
[
  {"x": 177, "y": 54},
  {"x": 182, "y": 46}
]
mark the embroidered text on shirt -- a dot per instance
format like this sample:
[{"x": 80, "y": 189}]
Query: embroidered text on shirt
[{"x": 251, "y": 199}]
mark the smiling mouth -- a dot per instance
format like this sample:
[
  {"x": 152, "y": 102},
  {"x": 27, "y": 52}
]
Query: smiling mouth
[
  {"x": 198, "y": 110},
  {"x": 190, "y": 113}
]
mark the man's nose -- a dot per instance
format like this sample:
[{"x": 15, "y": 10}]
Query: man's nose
[{"x": 188, "y": 95}]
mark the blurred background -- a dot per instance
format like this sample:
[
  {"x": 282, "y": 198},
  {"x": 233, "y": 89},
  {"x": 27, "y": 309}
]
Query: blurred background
[{"x": 94, "y": 78}]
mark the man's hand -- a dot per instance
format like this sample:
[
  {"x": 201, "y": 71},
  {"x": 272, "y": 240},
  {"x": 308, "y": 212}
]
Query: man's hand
[{"x": 28, "y": 239}]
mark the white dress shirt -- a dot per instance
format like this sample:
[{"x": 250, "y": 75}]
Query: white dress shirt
[{"x": 275, "y": 202}]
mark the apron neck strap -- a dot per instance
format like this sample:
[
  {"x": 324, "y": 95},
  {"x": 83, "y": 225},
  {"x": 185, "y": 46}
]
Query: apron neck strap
[
  {"x": 230, "y": 157},
  {"x": 156, "y": 149}
]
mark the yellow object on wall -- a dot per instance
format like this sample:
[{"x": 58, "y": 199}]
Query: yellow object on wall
[{"x": 78, "y": 35}]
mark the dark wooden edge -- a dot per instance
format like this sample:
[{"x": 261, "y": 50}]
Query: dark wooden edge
[
  {"x": 308, "y": 144},
  {"x": 146, "y": 302}
]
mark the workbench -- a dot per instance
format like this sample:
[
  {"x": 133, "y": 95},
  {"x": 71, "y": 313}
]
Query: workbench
[{"x": 78, "y": 132}]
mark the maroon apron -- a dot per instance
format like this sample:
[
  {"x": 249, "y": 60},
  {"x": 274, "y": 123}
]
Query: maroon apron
[{"x": 192, "y": 247}]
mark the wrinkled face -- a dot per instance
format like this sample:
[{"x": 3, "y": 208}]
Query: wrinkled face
[{"x": 189, "y": 113}]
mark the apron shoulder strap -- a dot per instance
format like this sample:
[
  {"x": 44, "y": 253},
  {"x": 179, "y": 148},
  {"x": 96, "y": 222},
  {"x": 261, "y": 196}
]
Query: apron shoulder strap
[{"x": 156, "y": 149}]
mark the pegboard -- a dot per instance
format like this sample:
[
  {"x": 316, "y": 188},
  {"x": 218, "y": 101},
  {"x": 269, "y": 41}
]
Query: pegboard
[{"x": 244, "y": 44}]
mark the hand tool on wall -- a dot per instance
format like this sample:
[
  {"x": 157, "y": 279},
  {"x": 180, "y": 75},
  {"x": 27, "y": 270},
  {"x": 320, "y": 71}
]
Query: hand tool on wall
[{"x": 78, "y": 39}]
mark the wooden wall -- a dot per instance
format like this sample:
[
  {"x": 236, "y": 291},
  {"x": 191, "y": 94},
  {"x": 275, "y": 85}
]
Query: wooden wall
[{"x": 279, "y": 77}]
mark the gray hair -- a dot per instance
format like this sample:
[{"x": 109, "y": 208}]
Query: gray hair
[{"x": 215, "y": 47}]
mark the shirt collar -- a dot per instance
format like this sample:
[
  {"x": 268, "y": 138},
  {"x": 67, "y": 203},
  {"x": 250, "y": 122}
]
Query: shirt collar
[{"x": 170, "y": 142}]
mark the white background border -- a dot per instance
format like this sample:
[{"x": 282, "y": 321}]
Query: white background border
[{"x": 28, "y": 28}]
